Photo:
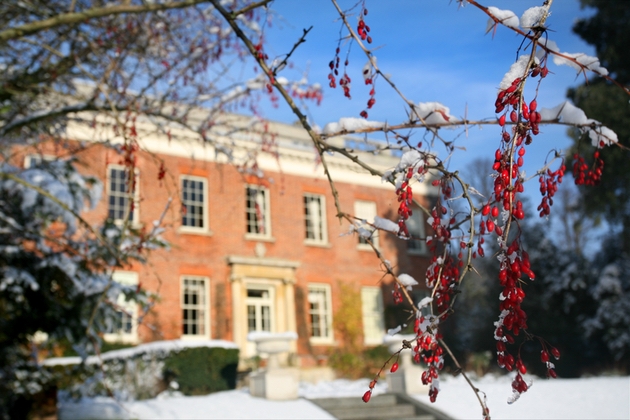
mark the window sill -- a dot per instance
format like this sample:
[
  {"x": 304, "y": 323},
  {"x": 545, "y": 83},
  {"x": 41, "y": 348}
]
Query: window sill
[
  {"x": 318, "y": 244},
  {"x": 194, "y": 337},
  {"x": 185, "y": 230},
  {"x": 121, "y": 338},
  {"x": 261, "y": 238},
  {"x": 365, "y": 247}
]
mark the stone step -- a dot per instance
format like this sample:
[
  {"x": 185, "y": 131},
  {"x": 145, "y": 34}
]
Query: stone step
[
  {"x": 385, "y": 406},
  {"x": 368, "y": 411},
  {"x": 350, "y": 402}
]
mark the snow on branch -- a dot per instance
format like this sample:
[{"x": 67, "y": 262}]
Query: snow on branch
[
  {"x": 350, "y": 124},
  {"x": 506, "y": 17},
  {"x": 568, "y": 113}
]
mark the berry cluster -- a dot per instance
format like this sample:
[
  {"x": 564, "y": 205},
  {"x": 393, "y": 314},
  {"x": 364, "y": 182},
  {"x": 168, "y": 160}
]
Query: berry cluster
[
  {"x": 544, "y": 357},
  {"x": 404, "y": 195},
  {"x": 442, "y": 274},
  {"x": 334, "y": 72},
  {"x": 548, "y": 187},
  {"x": 368, "y": 77},
  {"x": 405, "y": 198},
  {"x": 362, "y": 28},
  {"x": 260, "y": 53},
  {"x": 397, "y": 294},
  {"x": 430, "y": 352},
  {"x": 583, "y": 174},
  {"x": 363, "y": 31},
  {"x": 519, "y": 386}
]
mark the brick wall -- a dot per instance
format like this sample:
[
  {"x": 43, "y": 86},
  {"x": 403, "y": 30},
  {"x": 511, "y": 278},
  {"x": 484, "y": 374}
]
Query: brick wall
[{"x": 205, "y": 255}]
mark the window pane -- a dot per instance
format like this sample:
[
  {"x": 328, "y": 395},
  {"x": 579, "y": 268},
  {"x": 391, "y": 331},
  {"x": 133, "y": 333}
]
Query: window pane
[
  {"x": 415, "y": 225},
  {"x": 193, "y": 203},
  {"x": 251, "y": 318},
  {"x": 194, "y": 307},
  {"x": 256, "y": 211},
  {"x": 120, "y": 196},
  {"x": 373, "y": 318},
  {"x": 319, "y": 311},
  {"x": 314, "y": 220}
]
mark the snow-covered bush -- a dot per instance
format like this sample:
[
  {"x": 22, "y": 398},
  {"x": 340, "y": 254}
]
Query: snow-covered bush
[
  {"x": 141, "y": 372},
  {"x": 611, "y": 290}
]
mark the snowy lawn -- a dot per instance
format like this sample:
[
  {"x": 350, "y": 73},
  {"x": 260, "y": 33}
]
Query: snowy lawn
[{"x": 589, "y": 398}]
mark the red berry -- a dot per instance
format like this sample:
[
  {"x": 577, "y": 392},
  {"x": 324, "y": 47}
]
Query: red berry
[
  {"x": 367, "y": 396},
  {"x": 544, "y": 356},
  {"x": 394, "y": 368},
  {"x": 485, "y": 210},
  {"x": 555, "y": 352}
]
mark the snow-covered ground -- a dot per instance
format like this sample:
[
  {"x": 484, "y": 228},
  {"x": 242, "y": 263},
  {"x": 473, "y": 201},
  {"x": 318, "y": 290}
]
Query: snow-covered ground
[{"x": 588, "y": 398}]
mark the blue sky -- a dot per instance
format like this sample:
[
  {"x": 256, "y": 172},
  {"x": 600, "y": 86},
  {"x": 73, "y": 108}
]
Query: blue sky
[{"x": 434, "y": 51}]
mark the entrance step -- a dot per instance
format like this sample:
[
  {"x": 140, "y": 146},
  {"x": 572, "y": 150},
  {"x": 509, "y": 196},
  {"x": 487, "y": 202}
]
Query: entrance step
[{"x": 383, "y": 406}]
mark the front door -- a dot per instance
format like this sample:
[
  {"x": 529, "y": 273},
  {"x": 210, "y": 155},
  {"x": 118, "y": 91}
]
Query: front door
[{"x": 260, "y": 312}]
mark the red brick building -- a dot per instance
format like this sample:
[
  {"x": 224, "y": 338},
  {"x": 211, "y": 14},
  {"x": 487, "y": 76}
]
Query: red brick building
[{"x": 250, "y": 253}]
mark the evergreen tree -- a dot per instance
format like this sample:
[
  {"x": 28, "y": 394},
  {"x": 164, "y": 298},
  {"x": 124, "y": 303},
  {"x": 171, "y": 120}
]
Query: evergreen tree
[{"x": 609, "y": 32}]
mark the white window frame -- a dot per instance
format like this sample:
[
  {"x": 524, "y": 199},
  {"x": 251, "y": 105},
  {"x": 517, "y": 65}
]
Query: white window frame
[
  {"x": 366, "y": 210},
  {"x": 373, "y": 318},
  {"x": 325, "y": 313},
  {"x": 415, "y": 225},
  {"x": 204, "y": 204},
  {"x": 317, "y": 219},
  {"x": 266, "y": 212},
  {"x": 135, "y": 219},
  {"x": 205, "y": 306},
  {"x": 129, "y": 309},
  {"x": 258, "y": 303},
  {"x": 38, "y": 158}
]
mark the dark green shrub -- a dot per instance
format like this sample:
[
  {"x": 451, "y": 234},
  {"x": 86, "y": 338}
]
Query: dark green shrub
[{"x": 202, "y": 370}]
